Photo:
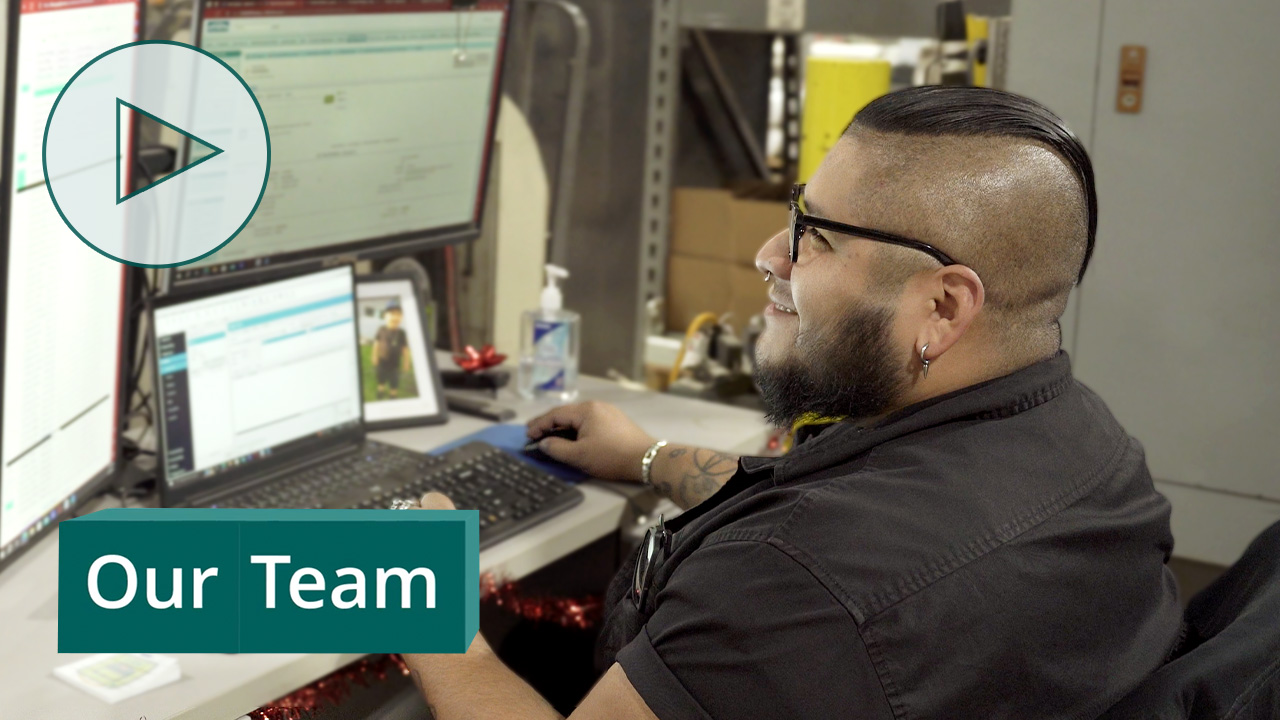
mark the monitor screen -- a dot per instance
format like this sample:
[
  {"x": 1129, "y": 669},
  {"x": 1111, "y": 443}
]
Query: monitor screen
[
  {"x": 381, "y": 117},
  {"x": 63, "y": 302},
  {"x": 247, "y": 374}
]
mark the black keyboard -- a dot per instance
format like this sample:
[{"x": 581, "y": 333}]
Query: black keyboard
[{"x": 511, "y": 495}]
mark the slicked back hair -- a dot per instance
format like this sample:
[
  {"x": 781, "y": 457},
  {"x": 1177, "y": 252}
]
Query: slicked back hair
[{"x": 953, "y": 111}]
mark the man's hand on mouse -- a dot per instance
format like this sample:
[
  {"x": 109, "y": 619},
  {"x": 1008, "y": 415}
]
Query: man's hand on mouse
[{"x": 609, "y": 445}]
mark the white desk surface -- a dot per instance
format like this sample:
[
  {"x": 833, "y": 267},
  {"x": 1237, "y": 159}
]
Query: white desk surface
[{"x": 224, "y": 687}]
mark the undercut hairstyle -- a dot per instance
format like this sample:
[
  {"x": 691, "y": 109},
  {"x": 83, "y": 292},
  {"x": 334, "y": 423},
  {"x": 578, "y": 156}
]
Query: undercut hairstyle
[{"x": 969, "y": 174}]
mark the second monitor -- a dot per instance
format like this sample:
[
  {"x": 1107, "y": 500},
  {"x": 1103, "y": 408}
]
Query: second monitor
[{"x": 381, "y": 118}]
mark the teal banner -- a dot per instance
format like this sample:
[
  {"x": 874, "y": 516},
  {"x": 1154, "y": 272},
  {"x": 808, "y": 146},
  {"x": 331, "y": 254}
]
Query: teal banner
[{"x": 269, "y": 581}]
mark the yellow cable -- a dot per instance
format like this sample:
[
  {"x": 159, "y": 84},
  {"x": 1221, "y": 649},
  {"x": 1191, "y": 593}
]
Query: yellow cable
[
  {"x": 805, "y": 420},
  {"x": 694, "y": 328}
]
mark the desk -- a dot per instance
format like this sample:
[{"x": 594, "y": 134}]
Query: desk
[{"x": 223, "y": 687}]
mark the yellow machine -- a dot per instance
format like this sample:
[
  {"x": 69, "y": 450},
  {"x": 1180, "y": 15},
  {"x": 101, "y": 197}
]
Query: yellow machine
[
  {"x": 978, "y": 30},
  {"x": 835, "y": 89}
]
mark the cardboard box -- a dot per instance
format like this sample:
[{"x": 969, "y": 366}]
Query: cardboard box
[
  {"x": 748, "y": 294},
  {"x": 699, "y": 220},
  {"x": 694, "y": 286},
  {"x": 712, "y": 224},
  {"x": 753, "y": 223},
  {"x": 697, "y": 285}
]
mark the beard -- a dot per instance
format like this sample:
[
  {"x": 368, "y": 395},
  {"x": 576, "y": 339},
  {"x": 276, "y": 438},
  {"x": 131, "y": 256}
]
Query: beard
[{"x": 848, "y": 370}]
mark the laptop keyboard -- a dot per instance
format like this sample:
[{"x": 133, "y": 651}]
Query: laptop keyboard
[
  {"x": 510, "y": 495},
  {"x": 317, "y": 486}
]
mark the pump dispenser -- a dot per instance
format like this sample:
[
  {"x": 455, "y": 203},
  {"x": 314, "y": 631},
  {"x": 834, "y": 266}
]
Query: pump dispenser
[
  {"x": 552, "y": 298},
  {"x": 549, "y": 342}
]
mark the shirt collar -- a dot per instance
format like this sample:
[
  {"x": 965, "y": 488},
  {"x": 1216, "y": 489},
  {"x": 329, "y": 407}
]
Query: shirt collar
[{"x": 1002, "y": 397}]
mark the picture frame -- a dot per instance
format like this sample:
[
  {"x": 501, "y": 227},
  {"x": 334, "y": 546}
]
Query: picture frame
[{"x": 400, "y": 382}]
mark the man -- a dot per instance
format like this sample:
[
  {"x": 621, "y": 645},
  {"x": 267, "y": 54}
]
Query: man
[
  {"x": 390, "y": 354},
  {"x": 970, "y": 535}
]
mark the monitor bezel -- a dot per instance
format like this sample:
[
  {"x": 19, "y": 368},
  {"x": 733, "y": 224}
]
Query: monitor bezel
[
  {"x": 378, "y": 248},
  {"x": 289, "y": 456},
  {"x": 109, "y": 475}
]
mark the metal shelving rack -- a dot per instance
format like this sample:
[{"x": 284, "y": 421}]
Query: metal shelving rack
[{"x": 671, "y": 18}]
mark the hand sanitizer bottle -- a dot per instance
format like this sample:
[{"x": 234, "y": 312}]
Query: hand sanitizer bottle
[{"x": 549, "y": 345}]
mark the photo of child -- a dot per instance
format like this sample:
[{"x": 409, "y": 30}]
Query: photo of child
[{"x": 386, "y": 362}]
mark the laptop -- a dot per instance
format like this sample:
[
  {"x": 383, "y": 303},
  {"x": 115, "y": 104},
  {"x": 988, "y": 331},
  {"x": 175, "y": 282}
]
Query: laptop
[
  {"x": 258, "y": 383},
  {"x": 260, "y": 400}
]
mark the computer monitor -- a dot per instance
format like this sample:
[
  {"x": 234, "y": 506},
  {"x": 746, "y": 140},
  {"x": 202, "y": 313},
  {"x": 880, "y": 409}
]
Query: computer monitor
[
  {"x": 381, "y": 116},
  {"x": 254, "y": 376},
  {"x": 63, "y": 303}
]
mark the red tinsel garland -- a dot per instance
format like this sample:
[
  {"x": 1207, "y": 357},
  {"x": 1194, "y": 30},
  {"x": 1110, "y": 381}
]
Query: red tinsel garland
[
  {"x": 332, "y": 689},
  {"x": 580, "y": 613}
]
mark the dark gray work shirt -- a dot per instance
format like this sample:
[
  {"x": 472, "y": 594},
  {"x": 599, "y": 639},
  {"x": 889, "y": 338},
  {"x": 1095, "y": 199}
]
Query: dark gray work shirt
[{"x": 998, "y": 552}]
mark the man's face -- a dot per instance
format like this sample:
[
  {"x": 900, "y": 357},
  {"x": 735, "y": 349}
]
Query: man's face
[
  {"x": 831, "y": 344},
  {"x": 393, "y": 319}
]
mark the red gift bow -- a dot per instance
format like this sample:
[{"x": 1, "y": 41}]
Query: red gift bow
[{"x": 477, "y": 360}]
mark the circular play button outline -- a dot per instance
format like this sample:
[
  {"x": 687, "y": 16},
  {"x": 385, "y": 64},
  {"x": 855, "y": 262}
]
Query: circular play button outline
[{"x": 49, "y": 183}]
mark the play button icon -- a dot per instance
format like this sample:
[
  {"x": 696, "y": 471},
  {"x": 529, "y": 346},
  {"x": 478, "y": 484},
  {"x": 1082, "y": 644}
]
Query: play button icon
[
  {"x": 222, "y": 170},
  {"x": 122, "y": 127}
]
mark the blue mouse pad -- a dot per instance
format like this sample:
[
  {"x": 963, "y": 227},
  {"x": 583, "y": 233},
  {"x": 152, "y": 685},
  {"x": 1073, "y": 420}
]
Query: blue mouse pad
[{"x": 512, "y": 439}]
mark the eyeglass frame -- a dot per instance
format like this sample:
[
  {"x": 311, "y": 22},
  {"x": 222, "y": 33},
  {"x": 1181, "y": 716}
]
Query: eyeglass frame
[
  {"x": 800, "y": 221},
  {"x": 647, "y": 560}
]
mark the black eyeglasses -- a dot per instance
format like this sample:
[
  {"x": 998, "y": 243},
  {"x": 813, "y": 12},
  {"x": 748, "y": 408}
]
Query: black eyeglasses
[
  {"x": 654, "y": 549},
  {"x": 800, "y": 221}
]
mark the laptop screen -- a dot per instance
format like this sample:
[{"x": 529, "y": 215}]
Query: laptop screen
[{"x": 248, "y": 373}]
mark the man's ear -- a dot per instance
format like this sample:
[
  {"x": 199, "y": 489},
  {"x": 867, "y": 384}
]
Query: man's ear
[{"x": 958, "y": 296}]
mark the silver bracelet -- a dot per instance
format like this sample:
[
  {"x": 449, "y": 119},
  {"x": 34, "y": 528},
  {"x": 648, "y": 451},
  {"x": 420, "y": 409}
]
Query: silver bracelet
[{"x": 647, "y": 462}]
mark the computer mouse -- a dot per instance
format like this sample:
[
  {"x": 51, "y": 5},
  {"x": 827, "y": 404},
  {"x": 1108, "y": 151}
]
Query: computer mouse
[{"x": 531, "y": 448}]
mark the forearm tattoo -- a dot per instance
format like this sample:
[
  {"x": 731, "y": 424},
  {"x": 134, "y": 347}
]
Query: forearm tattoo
[{"x": 696, "y": 478}]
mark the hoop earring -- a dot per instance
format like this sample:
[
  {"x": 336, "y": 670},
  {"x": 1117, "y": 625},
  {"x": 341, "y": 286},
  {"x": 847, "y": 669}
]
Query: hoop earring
[{"x": 924, "y": 361}]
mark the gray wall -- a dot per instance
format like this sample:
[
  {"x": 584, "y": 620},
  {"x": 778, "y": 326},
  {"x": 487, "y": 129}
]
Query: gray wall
[{"x": 1175, "y": 321}]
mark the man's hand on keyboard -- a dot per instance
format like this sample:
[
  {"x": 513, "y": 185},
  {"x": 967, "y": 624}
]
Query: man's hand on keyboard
[
  {"x": 609, "y": 444},
  {"x": 436, "y": 501}
]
